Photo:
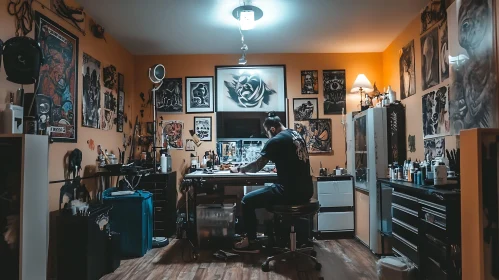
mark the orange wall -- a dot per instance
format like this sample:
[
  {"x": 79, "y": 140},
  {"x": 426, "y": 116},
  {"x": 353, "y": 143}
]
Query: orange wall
[
  {"x": 413, "y": 104},
  {"x": 106, "y": 52},
  {"x": 180, "y": 66}
]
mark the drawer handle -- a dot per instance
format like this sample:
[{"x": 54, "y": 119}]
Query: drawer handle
[
  {"x": 404, "y": 225},
  {"x": 158, "y": 209},
  {"x": 435, "y": 225},
  {"x": 434, "y": 213},
  {"x": 433, "y": 205},
  {"x": 407, "y": 243},
  {"x": 401, "y": 195},
  {"x": 405, "y": 210}
]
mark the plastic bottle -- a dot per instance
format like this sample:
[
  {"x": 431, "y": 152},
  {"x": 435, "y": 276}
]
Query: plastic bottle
[{"x": 163, "y": 163}]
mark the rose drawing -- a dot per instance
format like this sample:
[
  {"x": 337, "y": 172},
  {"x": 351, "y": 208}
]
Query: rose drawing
[{"x": 249, "y": 91}]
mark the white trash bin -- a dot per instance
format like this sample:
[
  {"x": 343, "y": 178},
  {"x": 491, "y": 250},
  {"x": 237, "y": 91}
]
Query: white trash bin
[{"x": 395, "y": 268}]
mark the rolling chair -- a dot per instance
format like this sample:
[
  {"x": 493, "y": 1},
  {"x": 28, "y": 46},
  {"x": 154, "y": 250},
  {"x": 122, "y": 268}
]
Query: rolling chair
[{"x": 292, "y": 212}]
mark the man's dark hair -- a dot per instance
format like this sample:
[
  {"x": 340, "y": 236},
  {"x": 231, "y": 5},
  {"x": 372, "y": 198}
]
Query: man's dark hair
[{"x": 272, "y": 120}]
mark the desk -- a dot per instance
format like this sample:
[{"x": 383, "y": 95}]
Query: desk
[{"x": 195, "y": 181}]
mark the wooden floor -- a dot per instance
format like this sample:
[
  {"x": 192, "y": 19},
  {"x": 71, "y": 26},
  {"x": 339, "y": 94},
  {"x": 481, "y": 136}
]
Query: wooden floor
[{"x": 341, "y": 259}]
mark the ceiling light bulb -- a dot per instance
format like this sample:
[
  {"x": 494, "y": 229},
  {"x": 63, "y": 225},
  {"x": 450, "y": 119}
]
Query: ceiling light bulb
[{"x": 247, "y": 19}]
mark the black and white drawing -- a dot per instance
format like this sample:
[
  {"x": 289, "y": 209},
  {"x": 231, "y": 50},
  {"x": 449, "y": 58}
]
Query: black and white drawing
[
  {"x": 443, "y": 43},
  {"x": 110, "y": 101},
  {"x": 435, "y": 106},
  {"x": 202, "y": 128},
  {"x": 310, "y": 82},
  {"x": 430, "y": 59},
  {"x": 190, "y": 146},
  {"x": 121, "y": 111},
  {"x": 107, "y": 118},
  {"x": 305, "y": 108},
  {"x": 169, "y": 96},
  {"x": 412, "y": 143},
  {"x": 91, "y": 91},
  {"x": 473, "y": 74},
  {"x": 433, "y": 13},
  {"x": 199, "y": 95},
  {"x": 251, "y": 88},
  {"x": 434, "y": 147},
  {"x": 110, "y": 77},
  {"x": 335, "y": 93},
  {"x": 407, "y": 66}
]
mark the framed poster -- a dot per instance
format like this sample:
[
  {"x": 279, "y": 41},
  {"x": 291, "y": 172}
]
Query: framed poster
[
  {"x": 199, "y": 96},
  {"x": 173, "y": 135},
  {"x": 251, "y": 88},
  {"x": 472, "y": 65},
  {"x": 121, "y": 111},
  {"x": 60, "y": 49},
  {"x": 435, "y": 111},
  {"x": 169, "y": 96},
  {"x": 407, "y": 69},
  {"x": 305, "y": 108},
  {"x": 317, "y": 135},
  {"x": 203, "y": 127},
  {"x": 91, "y": 92},
  {"x": 309, "y": 82},
  {"x": 335, "y": 93}
]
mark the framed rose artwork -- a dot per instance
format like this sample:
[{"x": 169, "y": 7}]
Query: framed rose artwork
[{"x": 251, "y": 88}]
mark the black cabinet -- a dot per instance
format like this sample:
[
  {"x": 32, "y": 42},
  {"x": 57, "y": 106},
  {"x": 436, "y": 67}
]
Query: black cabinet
[
  {"x": 163, "y": 187},
  {"x": 426, "y": 228}
]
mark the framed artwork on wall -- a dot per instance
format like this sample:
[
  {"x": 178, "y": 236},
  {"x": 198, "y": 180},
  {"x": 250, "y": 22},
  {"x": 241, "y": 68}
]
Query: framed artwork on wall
[
  {"x": 433, "y": 13},
  {"x": 60, "y": 49},
  {"x": 473, "y": 69},
  {"x": 91, "y": 95},
  {"x": 173, "y": 135},
  {"x": 203, "y": 127},
  {"x": 317, "y": 135},
  {"x": 407, "y": 68},
  {"x": 199, "y": 96},
  {"x": 430, "y": 59},
  {"x": 251, "y": 88},
  {"x": 335, "y": 93},
  {"x": 169, "y": 96},
  {"x": 305, "y": 108},
  {"x": 309, "y": 82},
  {"x": 121, "y": 111}
]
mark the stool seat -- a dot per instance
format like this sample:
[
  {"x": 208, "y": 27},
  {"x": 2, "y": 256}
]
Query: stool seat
[{"x": 305, "y": 209}]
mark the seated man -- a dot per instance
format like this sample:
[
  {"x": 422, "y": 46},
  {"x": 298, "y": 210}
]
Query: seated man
[{"x": 287, "y": 149}]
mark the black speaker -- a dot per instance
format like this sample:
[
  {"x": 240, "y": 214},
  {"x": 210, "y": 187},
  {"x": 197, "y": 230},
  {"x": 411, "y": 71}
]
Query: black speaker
[{"x": 22, "y": 58}]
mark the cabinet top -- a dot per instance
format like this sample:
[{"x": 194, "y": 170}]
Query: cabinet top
[{"x": 431, "y": 190}]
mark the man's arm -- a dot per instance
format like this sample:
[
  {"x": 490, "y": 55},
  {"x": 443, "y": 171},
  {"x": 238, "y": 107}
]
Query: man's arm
[{"x": 255, "y": 166}]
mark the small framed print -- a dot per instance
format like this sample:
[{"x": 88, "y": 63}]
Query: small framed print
[
  {"x": 202, "y": 128},
  {"x": 305, "y": 108},
  {"x": 190, "y": 146},
  {"x": 199, "y": 95}
]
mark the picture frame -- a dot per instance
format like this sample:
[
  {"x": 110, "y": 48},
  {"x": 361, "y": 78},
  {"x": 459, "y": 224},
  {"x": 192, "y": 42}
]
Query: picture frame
[
  {"x": 334, "y": 90},
  {"x": 305, "y": 109},
  {"x": 169, "y": 98},
  {"x": 309, "y": 82},
  {"x": 267, "y": 85},
  {"x": 121, "y": 111},
  {"x": 317, "y": 134},
  {"x": 190, "y": 146},
  {"x": 199, "y": 96},
  {"x": 64, "y": 113},
  {"x": 203, "y": 128}
]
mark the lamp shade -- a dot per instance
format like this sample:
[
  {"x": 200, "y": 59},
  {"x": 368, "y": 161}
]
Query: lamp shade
[
  {"x": 247, "y": 19},
  {"x": 362, "y": 82}
]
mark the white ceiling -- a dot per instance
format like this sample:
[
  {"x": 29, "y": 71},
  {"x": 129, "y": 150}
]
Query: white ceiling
[{"x": 148, "y": 27}]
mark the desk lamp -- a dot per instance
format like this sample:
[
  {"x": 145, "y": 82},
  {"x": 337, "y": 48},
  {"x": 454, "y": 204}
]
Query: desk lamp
[{"x": 363, "y": 86}]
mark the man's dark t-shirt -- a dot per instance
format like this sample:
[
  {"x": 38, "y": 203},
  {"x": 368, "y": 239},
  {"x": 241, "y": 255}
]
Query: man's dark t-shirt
[{"x": 289, "y": 153}]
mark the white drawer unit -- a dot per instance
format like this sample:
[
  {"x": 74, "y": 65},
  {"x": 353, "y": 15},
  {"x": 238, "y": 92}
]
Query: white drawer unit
[
  {"x": 335, "y": 193},
  {"x": 336, "y": 199},
  {"x": 335, "y": 221}
]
